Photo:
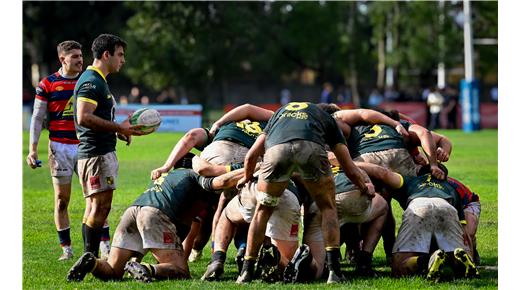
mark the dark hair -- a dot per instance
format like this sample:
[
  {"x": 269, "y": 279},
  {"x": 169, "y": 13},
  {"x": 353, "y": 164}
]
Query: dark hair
[
  {"x": 106, "y": 42},
  {"x": 185, "y": 161},
  {"x": 394, "y": 114},
  {"x": 426, "y": 169},
  {"x": 329, "y": 108},
  {"x": 68, "y": 45}
]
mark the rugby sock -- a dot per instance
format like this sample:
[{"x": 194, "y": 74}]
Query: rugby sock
[
  {"x": 422, "y": 263},
  {"x": 333, "y": 257},
  {"x": 150, "y": 267},
  {"x": 64, "y": 237},
  {"x": 83, "y": 232},
  {"x": 92, "y": 239},
  {"x": 105, "y": 234},
  {"x": 249, "y": 264},
  {"x": 218, "y": 256}
]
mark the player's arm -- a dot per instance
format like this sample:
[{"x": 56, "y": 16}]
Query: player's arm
[
  {"x": 246, "y": 111},
  {"x": 426, "y": 140},
  {"x": 194, "y": 138},
  {"x": 251, "y": 158},
  {"x": 225, "y": 181},
  {"x": 388, "y": 177},
  {"x": 39, "y": 112},
  {"x": 352, "y": 171},
  {"x": 444, "y": 146},
  {"x": 359, "y": 116}
]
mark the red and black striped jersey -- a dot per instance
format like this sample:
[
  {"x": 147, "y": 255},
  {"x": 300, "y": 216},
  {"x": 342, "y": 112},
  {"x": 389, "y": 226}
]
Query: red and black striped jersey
[
  {"x": 57, "y": 91},
  {"x": 466, "y": 195}
]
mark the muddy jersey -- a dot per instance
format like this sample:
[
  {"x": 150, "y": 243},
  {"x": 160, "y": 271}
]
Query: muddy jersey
[
  {"x": 93, "y": 88},
  {"x": 427, "y": 186},
  {"x": 373, "y": 138},
  {"x": 466, "y": 195},
  {"x": 57, "y": 91},
  {"x": 302, "y": 121},
  {"x": 342, "y": 182},
  {"x": 243, "y": 133},
  {"x": 178, "y": 195}
]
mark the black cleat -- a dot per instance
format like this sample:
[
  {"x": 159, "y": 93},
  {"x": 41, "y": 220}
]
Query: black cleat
[
  {"x": 295, "y": 270},
  {"x": 138, "y": 272},
  {"x": 214, "y": 271},
  {"x": 364, "y": 264},
  {"x": 246, "y": 276},
  {"x": 84, "y": 265},
  {"x": 335, "y": 278},
  {"x": 267, "y": 265},
  {"x": 463, "y": 260},
  {"x": 239, "y": 259}
]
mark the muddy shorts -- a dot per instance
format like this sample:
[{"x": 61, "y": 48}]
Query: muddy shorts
[
  {"x": 62, "y": 161},
  {"x": 283, "y": 224},
  {"x": 305, "y": 157},
  {"x": 427, "y": 218},
  {"x": 398, "y": 160},
  {"x": 224, "y": 152},
  {"x": 144, "y": 228},
  {"x": 98, "y": 174}
]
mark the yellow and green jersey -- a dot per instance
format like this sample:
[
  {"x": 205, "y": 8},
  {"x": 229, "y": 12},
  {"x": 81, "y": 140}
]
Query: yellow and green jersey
[
  {"x": 373, "y": 138},
  {"x": 243, "y": 133}
]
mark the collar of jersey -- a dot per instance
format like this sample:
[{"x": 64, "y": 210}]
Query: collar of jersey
[{"x": 91, "y": 67}]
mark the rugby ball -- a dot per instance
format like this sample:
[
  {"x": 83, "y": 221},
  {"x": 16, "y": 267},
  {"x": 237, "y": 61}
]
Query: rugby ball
[{"x": 149, "y": 119}]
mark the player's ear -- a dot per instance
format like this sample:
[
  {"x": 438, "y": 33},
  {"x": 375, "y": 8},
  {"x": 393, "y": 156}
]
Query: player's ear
[{"x": 106, "y": 54}]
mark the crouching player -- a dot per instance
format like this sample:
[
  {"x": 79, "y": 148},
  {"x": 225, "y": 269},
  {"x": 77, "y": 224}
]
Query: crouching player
[{"x": 157, "y": 221}]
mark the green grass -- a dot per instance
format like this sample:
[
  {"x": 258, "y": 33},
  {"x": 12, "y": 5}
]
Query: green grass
[{"x": 473, "y": 161}]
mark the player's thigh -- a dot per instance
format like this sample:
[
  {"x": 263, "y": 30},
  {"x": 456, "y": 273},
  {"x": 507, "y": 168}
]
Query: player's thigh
[
  {"x": 157, "y": 230},
  {"x": 322, "y": 191},
  {"x": 175, "y": 258}
]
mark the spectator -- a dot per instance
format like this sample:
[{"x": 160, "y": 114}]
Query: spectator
[
  {"x": 450, "y": 108},
  {"x": 326, "y": 94},
  {"x": 375, "y": 99},
  {"x": 434, "y": 102},
  {"x": 494, "y": 94},
  {"x": 123, "y": 100},
  {"x": 145, "y": 100},
  {"x": 135, "y": 94}
]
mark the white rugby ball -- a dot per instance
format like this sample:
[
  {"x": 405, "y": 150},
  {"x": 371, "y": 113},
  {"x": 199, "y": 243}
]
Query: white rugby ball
[{"x": 149, "y": 119}]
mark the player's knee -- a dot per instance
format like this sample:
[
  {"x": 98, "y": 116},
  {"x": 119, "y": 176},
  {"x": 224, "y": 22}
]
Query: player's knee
[
  {"x": 60, "y": 180},
  {"x": 267, "y": 200},
  {"x": 62, "y": 204}
]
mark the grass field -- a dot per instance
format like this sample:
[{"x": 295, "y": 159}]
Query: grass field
[{"x": 473, "y": 161}]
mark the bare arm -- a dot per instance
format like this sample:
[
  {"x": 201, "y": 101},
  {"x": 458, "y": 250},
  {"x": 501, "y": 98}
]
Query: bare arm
[
  {"x": 252, "y": 155},
  {"x": 352, "y": 171},
  {"x": 228, "y": 180},
  {"x": 205, "y": 168},
  {"x": 427, "y": 143},
  {"x": 194, "y": 138},
  {"x": 358, "y": 116},
  {"x": 444, "y": 146},
  {"x": 87, "y": 119},
  {"x": 388, "y": 177},
  {"x": 246, "y": 111}
]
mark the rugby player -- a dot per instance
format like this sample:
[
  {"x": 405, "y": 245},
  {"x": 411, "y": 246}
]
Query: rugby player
[
  {"x": 433, "y": 210},
  {"x": 94, "y": 107},
  {"x": 157, "y": 221},
  {"x": 294, "y": 141},
  {"x": 54, "y": 101}
]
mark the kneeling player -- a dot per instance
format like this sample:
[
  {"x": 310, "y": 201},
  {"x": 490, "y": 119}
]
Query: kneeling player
[{"x": 157, "y": 221}]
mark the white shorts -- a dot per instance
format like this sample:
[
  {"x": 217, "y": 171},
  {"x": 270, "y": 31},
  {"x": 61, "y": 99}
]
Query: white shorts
[
  {"x": 398, "y": 160},
  {"x": 283, "y": 224},
  {"x": 426, "y": 218},
  {"x": 224, "y": 152},
  {"x": 144, "y": 228},
  {"x": 63, "y": 160}
]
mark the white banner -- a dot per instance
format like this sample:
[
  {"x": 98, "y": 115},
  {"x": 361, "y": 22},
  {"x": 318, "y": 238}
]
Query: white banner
[{"x": 175, "y": 118}]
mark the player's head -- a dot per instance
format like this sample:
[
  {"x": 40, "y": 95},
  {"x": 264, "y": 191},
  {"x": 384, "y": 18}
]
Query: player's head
[
  {"x": 110, "y": 49},
  {"x": 329, "y": 108},
  {"x": 394, "y": 114},
  {"x": 426, "y": 169},
  {"x": 71, "y": 58}
]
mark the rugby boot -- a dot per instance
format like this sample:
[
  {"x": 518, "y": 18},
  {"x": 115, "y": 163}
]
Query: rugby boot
[
  {"x": 463, "y": 261},
  {"x": 332, "y": 260},
  {"x": 138, "y": 271},
  {"x": 246, "y": 276},
  {"x": 299, "y": 265},
  {"x": 215, "y": 267},
  {"x": 239, "y": 259},
  {"x": 335, "y": 277},
  {"x": 267, "y": 265},
  {"x": 66, "y": 255},
  {"x": 435, "y": 265},
  {"x": 84, "y": 265},
  {"x": 364, "y": 264}
]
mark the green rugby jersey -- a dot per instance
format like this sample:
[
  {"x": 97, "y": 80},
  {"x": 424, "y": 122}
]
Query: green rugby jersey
[
  {"x": 93, "y": 88},
  {"x": 373, "y": 138},
  {"x": 342, "y": 182},
  {"x": 179, "y": 195},
  {"x": 427, "y": 186},
  {"x": 243, "y": 133},
  {"x": 302, "y": 121}
]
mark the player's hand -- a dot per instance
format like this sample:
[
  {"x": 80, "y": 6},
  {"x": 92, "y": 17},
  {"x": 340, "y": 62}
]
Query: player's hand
[
  {"x": 129, "y": 130},
  {"x": 369, "y": 190},
  {"x": 157, "y": 172},
  {"x": 242, "y": 182},
  {"x": 401, "y": 130},
  {"x": 442, "y": 155},
  {"x": 213, "y": 130},
  {"x": 420, "y": 159},
  {"x": 126, "y": 138},
  {"x": 32, "y": 159},
  {"x": 437, "y": 172}
]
